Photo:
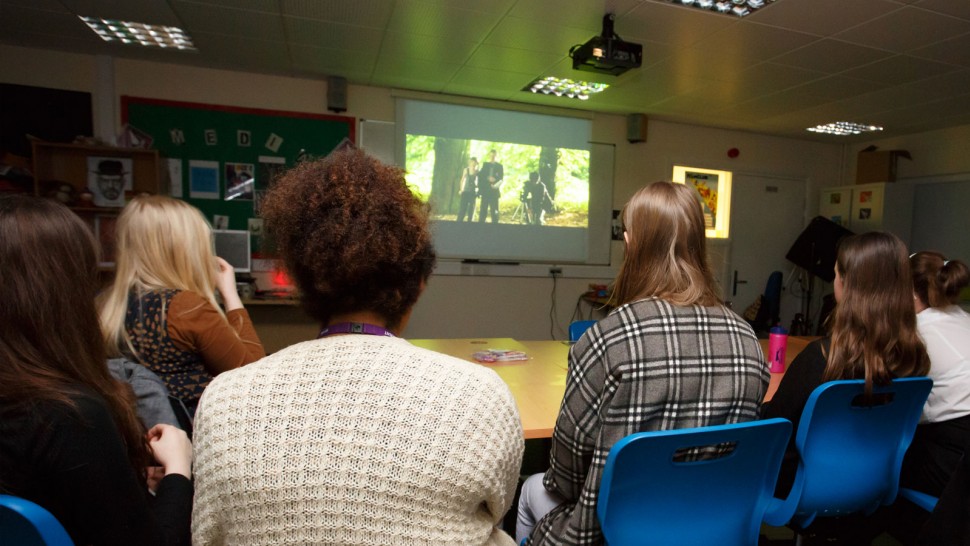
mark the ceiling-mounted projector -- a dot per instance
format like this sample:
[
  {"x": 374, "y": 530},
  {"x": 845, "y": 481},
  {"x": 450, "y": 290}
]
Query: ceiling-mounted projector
[{"x": 607, "y": 53}]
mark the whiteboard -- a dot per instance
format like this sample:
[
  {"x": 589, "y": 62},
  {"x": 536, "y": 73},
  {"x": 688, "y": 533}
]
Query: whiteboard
[{"x": 377, "y": 139}]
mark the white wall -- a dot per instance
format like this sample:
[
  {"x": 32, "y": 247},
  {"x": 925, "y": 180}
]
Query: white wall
[{"x": 457, "y": 306}]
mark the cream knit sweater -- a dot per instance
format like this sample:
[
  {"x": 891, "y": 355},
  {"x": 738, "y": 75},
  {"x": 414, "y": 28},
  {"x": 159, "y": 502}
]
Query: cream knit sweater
[{"x": 356, "y": 440}]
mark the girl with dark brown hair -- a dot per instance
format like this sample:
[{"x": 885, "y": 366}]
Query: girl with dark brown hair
[
  {"x": 69, "y": 436},
  {"x": 943, "y": 436},
  {"x": 872, "y": 332}
]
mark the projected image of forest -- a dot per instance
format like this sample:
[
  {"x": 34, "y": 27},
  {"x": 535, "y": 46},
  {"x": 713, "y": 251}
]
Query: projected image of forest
[{"x": 519, "y": 184}]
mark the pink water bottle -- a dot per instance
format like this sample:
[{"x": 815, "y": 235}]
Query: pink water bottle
[{"x": 777, "y": 344}]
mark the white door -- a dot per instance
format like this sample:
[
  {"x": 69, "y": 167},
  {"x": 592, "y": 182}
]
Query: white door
[{"x": 767, "y": 215}]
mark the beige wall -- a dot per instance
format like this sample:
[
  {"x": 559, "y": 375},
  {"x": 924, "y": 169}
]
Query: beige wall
[
  {"x": 453, "y": 306},
  {"x": 935, "y": 154}
]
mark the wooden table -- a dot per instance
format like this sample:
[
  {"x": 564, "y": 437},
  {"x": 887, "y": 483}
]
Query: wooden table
[{"x": 538, "y": 384}]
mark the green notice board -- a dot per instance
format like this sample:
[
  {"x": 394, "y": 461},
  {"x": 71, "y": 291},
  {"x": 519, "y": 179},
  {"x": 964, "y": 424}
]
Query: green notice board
[{"x": 228, "y": 156}]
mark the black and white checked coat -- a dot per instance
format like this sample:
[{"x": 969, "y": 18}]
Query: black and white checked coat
[{"x": 649, "y": 365}]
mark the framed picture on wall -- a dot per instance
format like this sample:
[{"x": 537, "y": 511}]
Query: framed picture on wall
[
  {"x": 108, "y": 178},
  {"x": 713, "y": 189}
]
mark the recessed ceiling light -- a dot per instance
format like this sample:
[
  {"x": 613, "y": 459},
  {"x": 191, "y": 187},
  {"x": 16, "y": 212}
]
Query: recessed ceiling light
[
  {"x": 739, "y": 8},
  {"x": 843, "y": 128},
  {"x": 112, "y": 30},
  {"x": 564, "y": 87}
]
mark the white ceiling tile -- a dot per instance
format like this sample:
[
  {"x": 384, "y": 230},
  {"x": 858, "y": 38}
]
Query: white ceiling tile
[
  {"x": 513, "y": 60},
  {"x": 436, "y": 73},
  {"x": 838, "y": 87},
  {"x": 586, "y": 15},
  {"x": 267, "y": 6},
  {"x": 953, "y": 51},
  {"x": 821, "y": 17},
  {"x": 899, "y": 70},
  {"x": 671, "y": 24},
  {"x": 523, "y": 34},
  {"x": 365, "y": 40},
  {"x": 905, "y": 29},
  {"x": 751, "y": 41},
  {"x": 243, "y": 51},
  {"x": 501, "y": 81},
  {"x": 369, "y": 13},
  {"x": 426, "y": 48},
  {"x": 831, "y": 56},
  {"x": 949, "y": 7},
  {"x": 218, "y": 20},
  {"x": 355, "y": 66},
  {"x": 425, "y": 18},
  {"x": 155, "y": 13}
]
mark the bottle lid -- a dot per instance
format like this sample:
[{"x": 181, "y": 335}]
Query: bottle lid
[{"x": 778, "y": 330}]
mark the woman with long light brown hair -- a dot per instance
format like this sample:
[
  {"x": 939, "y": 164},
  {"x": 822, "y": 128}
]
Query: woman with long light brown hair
[
  {"x": 670, "y": 356},
  {"x": 162, "y": 310},
  {"x": 70, "y": 440}
]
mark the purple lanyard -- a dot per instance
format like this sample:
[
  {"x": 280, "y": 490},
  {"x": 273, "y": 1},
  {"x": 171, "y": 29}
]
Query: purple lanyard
[{"x": 354, "y": 328}]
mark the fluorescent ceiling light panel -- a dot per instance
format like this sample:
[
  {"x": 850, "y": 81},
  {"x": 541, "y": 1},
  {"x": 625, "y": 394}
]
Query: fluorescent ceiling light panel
[
  {"x": 564, "y": 87},
  {"x": 126, "y": 32},
  {"x": 739, "y": 8},
  {"x": 844, "y": 128}
]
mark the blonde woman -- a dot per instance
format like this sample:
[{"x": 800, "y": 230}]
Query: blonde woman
[
  {"x": 162, "y": 309},
  {"x": 670, "y": 356}
]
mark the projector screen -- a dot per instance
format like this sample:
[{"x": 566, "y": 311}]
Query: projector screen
[{"x": 508, "y": 186}]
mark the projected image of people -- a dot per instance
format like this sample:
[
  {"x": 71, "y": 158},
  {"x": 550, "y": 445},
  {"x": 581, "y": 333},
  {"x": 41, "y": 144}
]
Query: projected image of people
[
  {"x": 515, "y": 184},
  {"x": 469, "y": 190},
  {"x": 490, "y": 187}
]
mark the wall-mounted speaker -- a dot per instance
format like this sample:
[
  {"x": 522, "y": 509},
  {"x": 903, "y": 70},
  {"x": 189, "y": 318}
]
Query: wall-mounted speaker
[
  {"x": 337, "y": 94},
  {"x": 636, "y": 128}
]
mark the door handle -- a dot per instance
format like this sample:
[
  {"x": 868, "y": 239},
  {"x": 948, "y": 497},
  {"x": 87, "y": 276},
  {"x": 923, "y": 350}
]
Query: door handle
[{"x": 734, "y": 289}]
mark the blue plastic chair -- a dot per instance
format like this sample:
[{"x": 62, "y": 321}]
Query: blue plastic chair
[
  {"x": 850, "y": 453},
  {"x": 25, "y": 523},
  {"x": 578, "y": 328},
  {"x": 648, "y": 495},
  {"x": 925, "y": 501}
]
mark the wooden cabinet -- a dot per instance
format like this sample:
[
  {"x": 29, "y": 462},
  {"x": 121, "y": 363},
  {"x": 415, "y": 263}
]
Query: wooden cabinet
[
  {"x": 56, "y": 163},
  {"x": 95, "y": 182},
  {"x": 880, "y": 206}
]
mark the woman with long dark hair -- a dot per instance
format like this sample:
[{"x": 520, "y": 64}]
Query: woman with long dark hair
[
  {"x": 70, "y": 439},
  {"x": 872, "y": 332}
]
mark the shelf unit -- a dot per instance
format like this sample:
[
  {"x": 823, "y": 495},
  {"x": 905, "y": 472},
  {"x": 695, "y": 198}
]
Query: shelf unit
[{"x": 56, "y": 163}]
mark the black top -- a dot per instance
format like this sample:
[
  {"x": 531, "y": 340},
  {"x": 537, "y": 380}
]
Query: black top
[
  {"x": 800, "y": 380},
  {"x": 72, "y": 461}
]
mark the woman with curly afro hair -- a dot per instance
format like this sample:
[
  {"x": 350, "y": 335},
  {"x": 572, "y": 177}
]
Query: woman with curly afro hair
[{"x": 356, "y": 437}]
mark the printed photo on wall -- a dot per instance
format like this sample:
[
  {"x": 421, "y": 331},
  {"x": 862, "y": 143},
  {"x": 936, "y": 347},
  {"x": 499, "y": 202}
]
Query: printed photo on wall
[
  {"x": 269, "y": 168},
  {"x": 203, "y": 179},
  {"x": 108, "y": 178},
  {"x": 706, "y": 185},
  {"x": 240, "y": 182}
]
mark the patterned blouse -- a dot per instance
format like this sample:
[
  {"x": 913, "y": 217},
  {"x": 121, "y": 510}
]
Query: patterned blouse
[
  {"x": 183, "y": 339},
  {"x": 647, "y": 366}
]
